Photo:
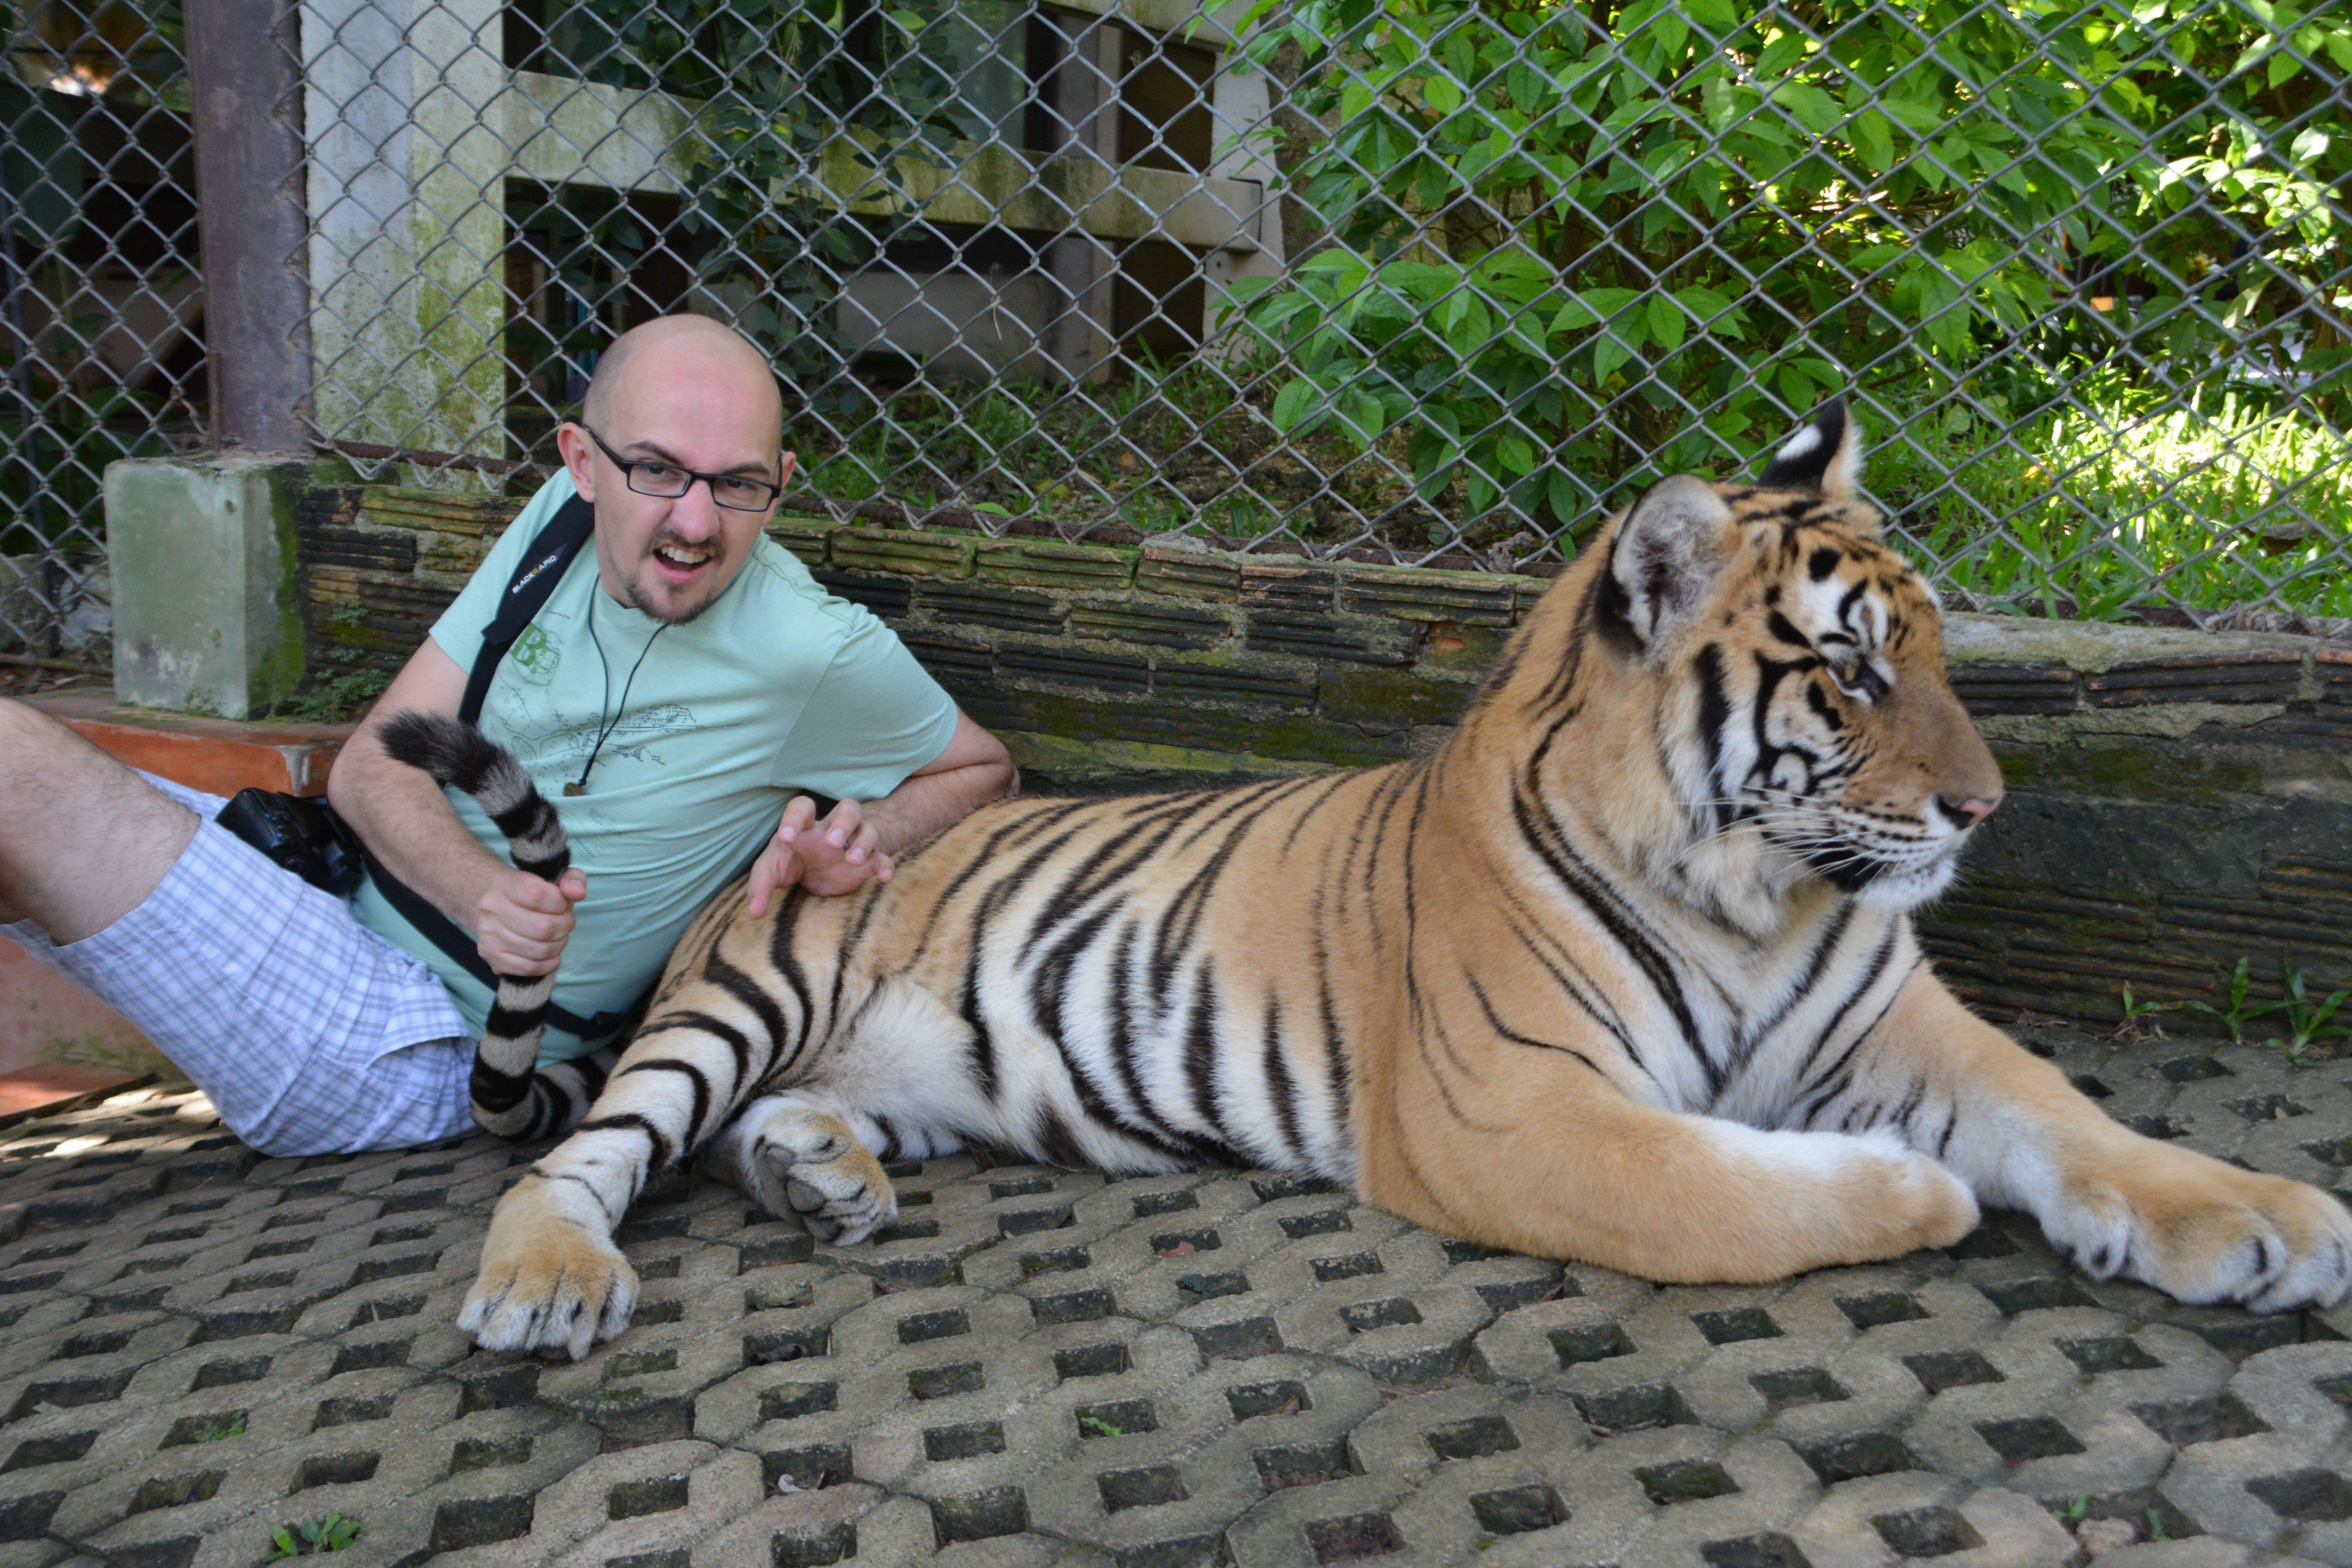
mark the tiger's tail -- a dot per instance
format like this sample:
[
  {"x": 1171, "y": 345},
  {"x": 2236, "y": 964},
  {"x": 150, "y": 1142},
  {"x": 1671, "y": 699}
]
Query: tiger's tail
[{"x": 510, "y": 1098}]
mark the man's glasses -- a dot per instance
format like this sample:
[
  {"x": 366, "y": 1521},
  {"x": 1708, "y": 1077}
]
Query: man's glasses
[{"x": 651, "y": 477}]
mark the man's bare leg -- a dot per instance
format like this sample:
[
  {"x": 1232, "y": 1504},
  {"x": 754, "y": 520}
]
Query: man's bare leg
[{"x": 83, "y": 840}]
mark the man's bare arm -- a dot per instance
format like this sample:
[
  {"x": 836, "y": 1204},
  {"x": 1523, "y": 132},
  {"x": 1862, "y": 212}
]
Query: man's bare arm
[
  {"x": 857, "y": 839},
  {"x": 521, "y": 922}
]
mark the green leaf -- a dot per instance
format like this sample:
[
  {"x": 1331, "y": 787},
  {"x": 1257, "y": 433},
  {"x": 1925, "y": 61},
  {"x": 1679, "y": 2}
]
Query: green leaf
[
  {"x": 1816, "y": 110},
  {"x": 1666, "y": 321},
  {"x": 1874, "y": 138},
  {"x": 1291, "y": 403},
  {"x": 1608, "y": 353},
  {"x": 1516, "y": 455}
]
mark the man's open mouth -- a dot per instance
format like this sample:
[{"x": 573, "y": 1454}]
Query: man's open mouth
[{"x": 681, "y": 562}]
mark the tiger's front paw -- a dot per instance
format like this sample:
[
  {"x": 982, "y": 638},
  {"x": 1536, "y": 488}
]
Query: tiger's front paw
[
  {"x": 795, "y": 1159},
  {"x": 550, "y": 1280},
  {"x": 2203, "y": 1231}
]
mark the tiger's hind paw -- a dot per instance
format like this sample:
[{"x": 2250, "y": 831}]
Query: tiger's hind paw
[{"x": 794, "y": 1159}]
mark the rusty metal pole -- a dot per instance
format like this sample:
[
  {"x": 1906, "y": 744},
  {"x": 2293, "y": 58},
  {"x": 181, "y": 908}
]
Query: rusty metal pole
[{"x": 244, "y": 79}]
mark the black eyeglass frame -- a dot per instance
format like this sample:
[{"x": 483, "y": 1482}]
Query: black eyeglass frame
[{"x": 629, "y": 467}]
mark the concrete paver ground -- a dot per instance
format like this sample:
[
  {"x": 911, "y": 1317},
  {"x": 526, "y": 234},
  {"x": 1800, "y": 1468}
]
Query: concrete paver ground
[{"x": 1030, "y": 1366}]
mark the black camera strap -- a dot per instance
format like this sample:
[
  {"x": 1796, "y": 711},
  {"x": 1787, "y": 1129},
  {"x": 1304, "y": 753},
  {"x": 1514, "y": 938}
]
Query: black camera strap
[{"x": 527, "y": 592}]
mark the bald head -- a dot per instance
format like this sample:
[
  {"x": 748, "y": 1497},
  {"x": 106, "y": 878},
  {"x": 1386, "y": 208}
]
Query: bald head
[{"x": 643, "y": 359}]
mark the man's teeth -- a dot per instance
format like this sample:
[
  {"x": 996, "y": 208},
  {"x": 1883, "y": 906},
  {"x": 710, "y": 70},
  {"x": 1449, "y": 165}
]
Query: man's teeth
[{"x": 676, "y": 556}]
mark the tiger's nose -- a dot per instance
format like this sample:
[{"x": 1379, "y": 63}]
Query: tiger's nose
[{"x": 1967, "y": 814}]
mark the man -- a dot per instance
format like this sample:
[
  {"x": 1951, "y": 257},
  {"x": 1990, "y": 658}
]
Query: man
[{"x": 682, "y": 686}]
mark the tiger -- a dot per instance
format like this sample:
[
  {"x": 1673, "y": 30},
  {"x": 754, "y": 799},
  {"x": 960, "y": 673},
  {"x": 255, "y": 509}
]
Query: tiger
[{"x": 1624, "y": 973}]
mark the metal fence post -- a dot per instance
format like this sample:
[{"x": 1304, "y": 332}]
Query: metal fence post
[{"x": 245, "y": 80}]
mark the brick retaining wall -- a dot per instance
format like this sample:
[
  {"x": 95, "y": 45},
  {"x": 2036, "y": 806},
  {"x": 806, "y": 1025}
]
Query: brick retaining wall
[{"x": 2178, "y": 800}]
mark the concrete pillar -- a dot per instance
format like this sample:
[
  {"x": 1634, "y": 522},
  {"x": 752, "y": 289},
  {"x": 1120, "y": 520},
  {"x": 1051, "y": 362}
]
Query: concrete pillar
[
  {"x": 207, "y": 615},
  {"x": 407, "y": 195}
]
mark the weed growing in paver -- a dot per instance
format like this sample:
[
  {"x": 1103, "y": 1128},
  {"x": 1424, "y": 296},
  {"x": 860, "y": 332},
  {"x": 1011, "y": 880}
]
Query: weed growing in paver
[
  {"x": 312, "y": 1536},
  {"x": 218, "y": 1431},
  {"x": 2138, "y": 1015},
  {"x": 2309, "y": 1022},
  {"x": 1100, "y": 1427}
]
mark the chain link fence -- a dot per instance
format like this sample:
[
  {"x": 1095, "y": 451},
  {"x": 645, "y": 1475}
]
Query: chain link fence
[
  {"x": 101, "y": 302},
  {"x": 1426, "y": 281}
]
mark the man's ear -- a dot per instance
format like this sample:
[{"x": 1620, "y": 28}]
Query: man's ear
[
  {"x": 1825, "y": 456},
  {"x": 1664, "y": 557},
  {"x": 579, "y": 456}
]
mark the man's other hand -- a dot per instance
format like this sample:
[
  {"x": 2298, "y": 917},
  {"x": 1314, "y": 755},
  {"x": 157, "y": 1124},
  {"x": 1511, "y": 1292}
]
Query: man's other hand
[
  {"x": 829, "y": 859},
  {"x": 524, "y": 920}
]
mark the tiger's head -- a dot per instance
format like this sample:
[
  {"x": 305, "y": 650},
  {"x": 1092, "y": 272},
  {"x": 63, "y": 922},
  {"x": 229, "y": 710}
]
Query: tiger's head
[{"x": 1797, "y": 670}]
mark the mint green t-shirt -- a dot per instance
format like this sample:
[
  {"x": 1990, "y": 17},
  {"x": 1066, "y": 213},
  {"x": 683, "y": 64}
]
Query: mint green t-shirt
[{"x": 777, "y": 688}]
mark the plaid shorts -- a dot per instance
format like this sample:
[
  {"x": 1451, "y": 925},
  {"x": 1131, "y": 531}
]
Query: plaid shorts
[{"x": 310, "y": 1034}]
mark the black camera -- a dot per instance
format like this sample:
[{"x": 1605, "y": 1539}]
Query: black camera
[{"x": 300, "y": 832}]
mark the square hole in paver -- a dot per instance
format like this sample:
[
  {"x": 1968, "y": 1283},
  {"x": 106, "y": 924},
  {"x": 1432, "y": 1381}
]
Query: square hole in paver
[
  {"x": 1731, "y": 1326},
  {"x": 1194, "y": 1288},
  {"x": 981, "y": 1516},
  {"x": 1852, "y": 1454},
  {"x": 1153, "y": 1204},
  {"x": 105, "y": 1342},
  {"x": 2116, "y": 1353},
  {"x": 1020, "y": 1187},
  {"x": 1285, "y": 1465},
  {"x": 1353, "y": 1539},
  {"x": 1636, "y": 1409},
  {"x": 1146, "y": 1488},
  {"x": 351, "y": 1410},
  {"x": 1875, "y": 1307},
  {"x": 2143, "y": 1508},
  {"x": 2037, "y": 1294},
  {"x": 55, "y": 1450},
  {"x": 1474, "y": 1438},
  {"x": 2190, "y": 1421},
  {"x": 1091, "y": 1361},
  {"x": 222, "y": 1374},
  {"x": 488, "y": 1453},
  {"x": 1244, "y": 1339},
  {"x": 2266, "y": 1108},
  {"x": 2024, "y": 1437},
  {"x": 1055, "y": 1260},
  {"x": 1183, "y": 1243},
  {"x": 1027, "y": 1222},
  {"x": 335, "y": 1470},
  {"x": 1769, "y": 1550},
  {"x": 1299, "y": 1227},
  {"x": 1365, "y": 1316},
  {"x": 1116, "y": 1418},
  {"x": 176, "y": 1491},
  {"x": 2311, "y": 1497},
  {"x": 1685, "y": 1480},
  {"x": 1280, "y": 1397},
  {"x": 654, "y": 1494},
  {"x": 789, "y": 1401},
  {"x": 1940, "y": 1370},
  {"x": 1514, "y": 1510},
  {"x": 1794, "y": 1386},
  {"x": 813, "y": 1548},
  {"x": 812, "y": 1468},
  {"x": 1981, "y": 1243},
  {"x": 940, "y": 1381},
  {"x": 1350, "y": 1267},
  {"x": 369, "y": 1356},
  {"x": 969, "y": 1440},
  {"x": 1927, "y": 1533},
  {"x": 217, "y": 1427},
  {"x": 1603, "y": 1342},
  {"x": 479, "y": 1522},
  {"x": 918, "y": 1327}
]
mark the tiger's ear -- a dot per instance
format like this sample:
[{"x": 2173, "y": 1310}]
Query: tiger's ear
[
  {"x": 1664, "y": 558},
  {"x": 1825, "y": 456}
]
